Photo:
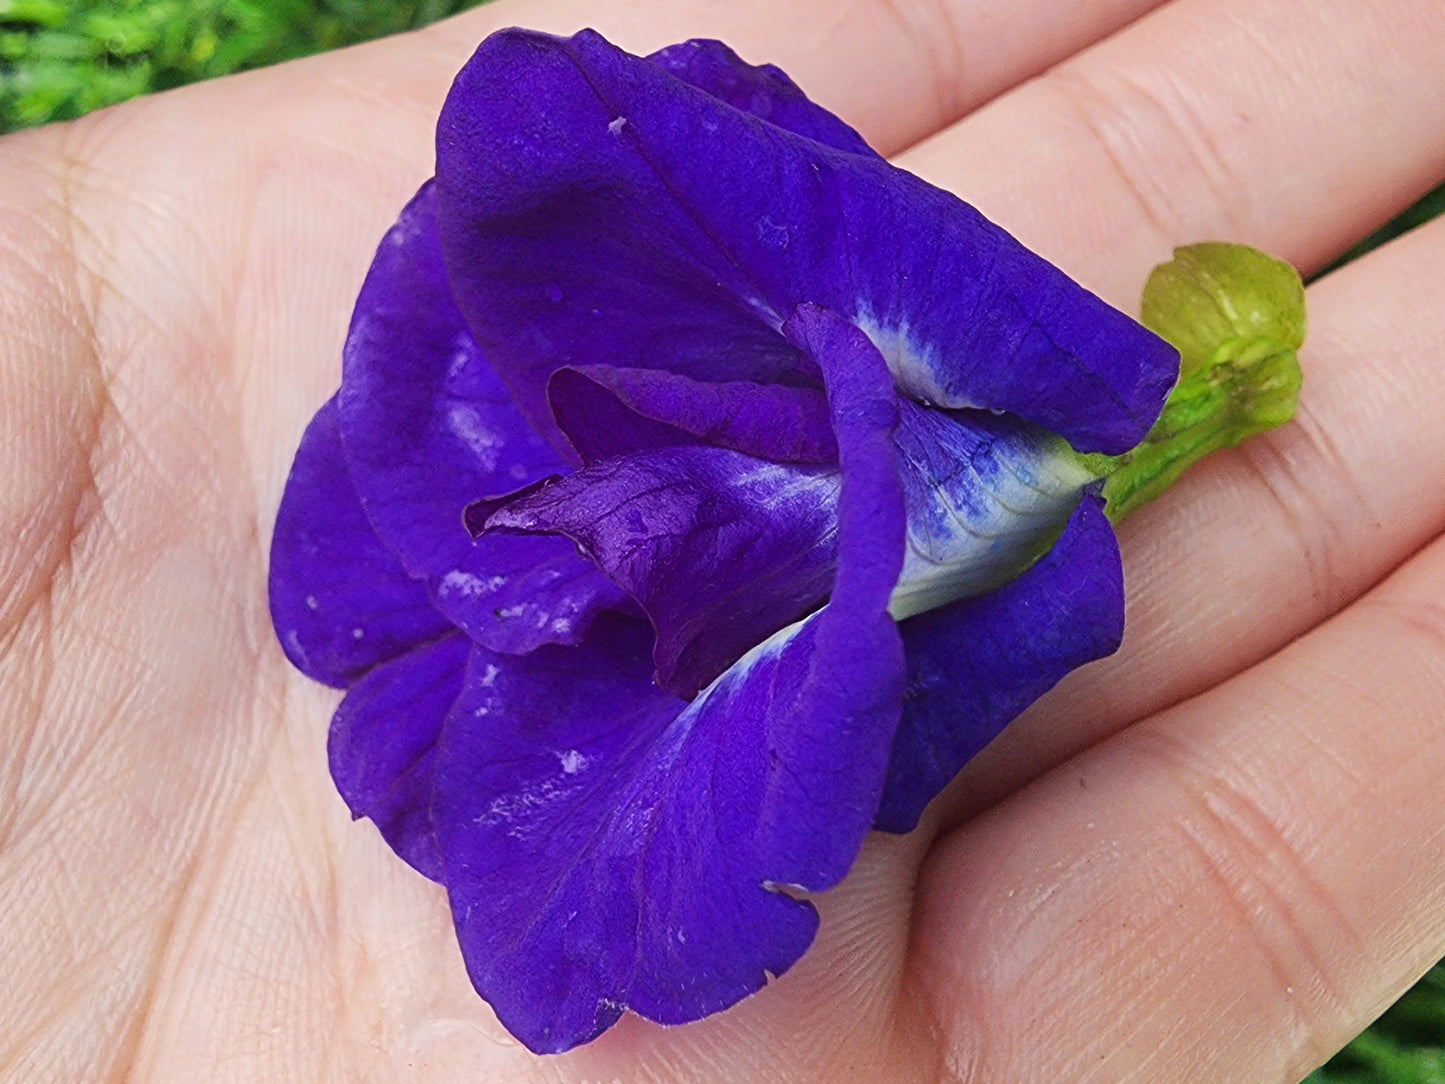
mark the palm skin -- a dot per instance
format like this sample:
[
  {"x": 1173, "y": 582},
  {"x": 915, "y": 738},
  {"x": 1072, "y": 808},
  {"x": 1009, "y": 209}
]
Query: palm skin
[{"x": 1211, "y": 857}]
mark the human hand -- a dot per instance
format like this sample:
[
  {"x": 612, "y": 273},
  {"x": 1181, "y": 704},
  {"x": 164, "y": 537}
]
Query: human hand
[{"x": 1180, "y": 865}]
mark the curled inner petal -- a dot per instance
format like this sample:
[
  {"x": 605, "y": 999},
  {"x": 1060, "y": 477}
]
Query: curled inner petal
[{"x": 720, "y": 548}]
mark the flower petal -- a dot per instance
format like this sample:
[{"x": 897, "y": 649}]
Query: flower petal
[
  {"x": 763, "y": 90},
  {"x": 986, "y": 495},
  {"x": 597, "y": 210},
  {"x": 429, "y": 427},
  {"x": 383, "y": 745},
  {"x": 721, "y": 549},
  {"x": 607, "y": 411},
  {"x": 340, "y": 600},
  {"x": 608, "y": 847},
  {"x": 513, "y": 594},
  {"x": 975, "y": 665}
]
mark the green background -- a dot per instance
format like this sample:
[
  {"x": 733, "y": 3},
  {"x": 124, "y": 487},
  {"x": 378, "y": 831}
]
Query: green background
[{"x": 62, "y": 58}]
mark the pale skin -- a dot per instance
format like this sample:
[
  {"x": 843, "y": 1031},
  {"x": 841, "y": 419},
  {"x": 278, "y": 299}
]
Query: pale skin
[{"x": 1213, "y": 857}]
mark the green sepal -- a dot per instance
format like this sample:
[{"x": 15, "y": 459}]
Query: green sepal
[{"x": 1237, "y": 318}]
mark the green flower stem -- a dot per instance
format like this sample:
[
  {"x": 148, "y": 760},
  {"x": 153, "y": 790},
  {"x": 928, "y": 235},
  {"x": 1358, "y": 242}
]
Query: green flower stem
[{"x": 1237, "y": 318}]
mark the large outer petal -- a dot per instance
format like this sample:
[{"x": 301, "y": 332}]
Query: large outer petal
[
  {"x": 340, "y": 600},
  {"x": 763, "y": 90},
  {"x": 429, "y": 427},
  {"x": 383, "y": 740},
  {"x": 607, "y": 847},
  {"x": 596, "y": 209},
  {"x": 973, "y": 666},
  {"x": 721, "y": 549}
]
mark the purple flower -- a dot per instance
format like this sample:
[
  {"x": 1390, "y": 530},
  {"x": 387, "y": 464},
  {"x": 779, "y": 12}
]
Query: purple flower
[{"x": 766, "y": 446}]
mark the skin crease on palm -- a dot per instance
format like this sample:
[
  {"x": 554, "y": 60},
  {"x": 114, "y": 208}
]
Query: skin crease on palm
[{"x": 1213, "y": 857}]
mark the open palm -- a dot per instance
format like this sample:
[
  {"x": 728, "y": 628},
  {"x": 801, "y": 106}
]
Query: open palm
[{"x": 1212, "y": 857}]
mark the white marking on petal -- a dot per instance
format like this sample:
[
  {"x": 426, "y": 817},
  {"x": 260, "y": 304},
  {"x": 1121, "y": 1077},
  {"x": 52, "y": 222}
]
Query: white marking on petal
[
  {"x": 912, "y": 364},
  {"x": 572, "y": 761},
  {"x": 509, "y": 807},
  {"x": 983, "y": 527},
  {"x": 466, "y": 425},
  {"x": 775, "y": 485},
  {"x": 466, "y": 585},
  {"x": 461, "y": 354},
  {"x": 615, "y": 126},
  {"x": 738, "y": 671}
]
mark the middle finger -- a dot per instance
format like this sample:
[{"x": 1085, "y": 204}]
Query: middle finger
[{"x": 1296, "y": 128}]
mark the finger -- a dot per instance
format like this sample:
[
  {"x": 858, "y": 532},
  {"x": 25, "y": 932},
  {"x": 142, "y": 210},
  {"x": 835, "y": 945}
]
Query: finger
[
  {"x": 1224, "y": 892},
  {"x": 1293, "y": 127},
  {"x": 896, "y": 71},
  {"x": 1259, "y": 544}
]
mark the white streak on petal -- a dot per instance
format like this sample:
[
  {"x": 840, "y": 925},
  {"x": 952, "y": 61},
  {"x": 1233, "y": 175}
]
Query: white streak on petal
[
  {"x": 464, "y": 584},
  {"x": 467, "y": 426},
  {"x": 1000, "y": 506},
  {"x": 912, "y": 365}
]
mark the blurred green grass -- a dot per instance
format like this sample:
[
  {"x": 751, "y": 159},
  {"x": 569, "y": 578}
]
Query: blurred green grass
[{"x": 60, "y": 59}]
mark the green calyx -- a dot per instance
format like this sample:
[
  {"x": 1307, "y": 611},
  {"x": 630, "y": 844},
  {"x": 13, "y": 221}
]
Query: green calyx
[{"x": 1237, "y": 317}]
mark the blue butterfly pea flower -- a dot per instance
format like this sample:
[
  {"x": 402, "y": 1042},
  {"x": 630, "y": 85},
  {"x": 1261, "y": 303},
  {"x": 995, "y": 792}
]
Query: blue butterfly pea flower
[{"x": 768, "y": 452}]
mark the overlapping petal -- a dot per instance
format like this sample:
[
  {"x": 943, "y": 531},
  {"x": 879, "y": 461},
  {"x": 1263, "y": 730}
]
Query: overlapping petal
[
  {"x": 974, "y": 665},
  {"x": 382, "y": 747},
  {"x": 581, "y": 822},
  {"x": 608, "y": 847},
  {"x": 428, "y": 427},
  {"x": 610, "y": 213},
  {"x": 340, "y": 601}
]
